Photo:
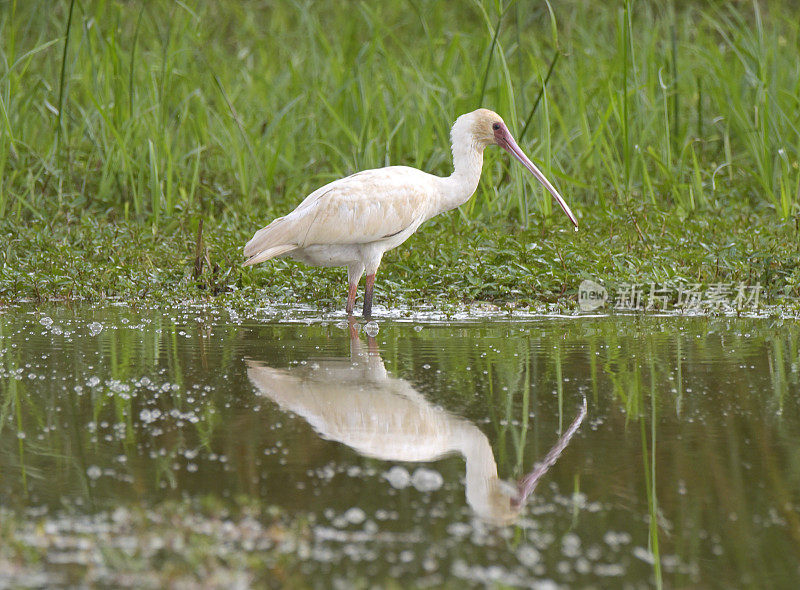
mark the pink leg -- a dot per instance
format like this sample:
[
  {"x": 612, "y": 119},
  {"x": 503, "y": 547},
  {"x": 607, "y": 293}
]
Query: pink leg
[
  {"x": 372, "y": 345},
  {"x": 354, "y": 328},
  {"x": 368, "y": 289},
  {"x": 351, "y": 298}
]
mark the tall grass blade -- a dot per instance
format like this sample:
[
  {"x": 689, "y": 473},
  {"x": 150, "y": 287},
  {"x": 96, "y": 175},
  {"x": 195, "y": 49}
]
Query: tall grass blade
[{"x": 62, "y": 78}]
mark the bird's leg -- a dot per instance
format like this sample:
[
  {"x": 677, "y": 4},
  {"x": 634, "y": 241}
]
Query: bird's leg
[
  {"x": 354, "y": 329},
  {"x": 369, "y": 286},
  {"x": 372, "y": 345},
  {"x": 351, "y": 298},
  {"x": 354, "y": 272}
]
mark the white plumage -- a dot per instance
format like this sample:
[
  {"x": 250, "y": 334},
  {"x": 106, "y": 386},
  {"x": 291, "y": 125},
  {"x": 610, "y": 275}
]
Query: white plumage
[
  {"x": 354, "y": 220},
  {"x": 355, "y": 401}
]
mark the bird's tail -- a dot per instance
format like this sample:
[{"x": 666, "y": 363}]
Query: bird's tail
[{"x": 270, "y": 241}]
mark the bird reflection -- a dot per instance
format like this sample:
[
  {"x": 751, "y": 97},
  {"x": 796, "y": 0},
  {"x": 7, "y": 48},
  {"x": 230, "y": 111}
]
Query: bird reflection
[{"x": 356, "y": 402}]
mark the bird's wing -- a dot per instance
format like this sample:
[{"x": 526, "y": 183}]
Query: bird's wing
[
  {"x": 367, "y": 207},
  {"x": 361, "y": 208}
]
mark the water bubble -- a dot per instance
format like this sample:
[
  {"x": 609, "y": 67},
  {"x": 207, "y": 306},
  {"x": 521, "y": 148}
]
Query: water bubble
[
  {"x": 50, "y": 528},
  {"x": 398, "y": 477},
  {"x": 93, "y": 471},
  {"x": 427, "y": 480},
  {"x": 46, "y": 321},
  {"x": 571, "y": 545},
  {"x": 609, "y": 569},
  {"x": 95, "y": 328},
  {"x": 614, "y": 539},
  {"x": 418, "y": 328},
  {"x": 459, "y": 529},
  {"x": 528, "y": 555},
  {"x": 355, "y": 515},
  {"x": 582, "y": 565},
  {"x": 148, "y": 416},
  {"x": 371, "y": 328},
  {"x": 645, "y": 555}
]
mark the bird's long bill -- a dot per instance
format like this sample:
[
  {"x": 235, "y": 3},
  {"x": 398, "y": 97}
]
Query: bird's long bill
[{"x": 512, "y": 148}]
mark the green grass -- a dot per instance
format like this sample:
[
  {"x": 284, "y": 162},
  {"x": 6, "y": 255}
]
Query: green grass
[
  {"x": 152, "y": 116},
  {"x": 447, "y": 263}
]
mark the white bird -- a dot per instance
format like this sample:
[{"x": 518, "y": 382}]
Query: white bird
[
  {"x": 352, "y": 221},
  {"x": 355, "y": 401}
]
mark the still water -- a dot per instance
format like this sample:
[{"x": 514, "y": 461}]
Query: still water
[{"x": 627, "y": 451}]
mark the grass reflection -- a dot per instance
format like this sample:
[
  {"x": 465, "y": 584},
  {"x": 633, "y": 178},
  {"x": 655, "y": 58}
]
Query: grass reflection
[{"x": 689, "y": 450}]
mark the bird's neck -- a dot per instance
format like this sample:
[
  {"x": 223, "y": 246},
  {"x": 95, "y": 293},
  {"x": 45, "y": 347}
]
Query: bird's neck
[
  {"x": 480, "y": 463},
  {"x": 461, "y": 184}
]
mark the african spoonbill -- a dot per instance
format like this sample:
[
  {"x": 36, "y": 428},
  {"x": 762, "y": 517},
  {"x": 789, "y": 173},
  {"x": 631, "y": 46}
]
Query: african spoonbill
[
  {"x": 356, "y": 401},
  {"x": 352, "y": 221}
]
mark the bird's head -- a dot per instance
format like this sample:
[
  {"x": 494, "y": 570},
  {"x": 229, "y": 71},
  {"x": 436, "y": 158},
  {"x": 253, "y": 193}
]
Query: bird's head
[{"x": 483, "y": 128}]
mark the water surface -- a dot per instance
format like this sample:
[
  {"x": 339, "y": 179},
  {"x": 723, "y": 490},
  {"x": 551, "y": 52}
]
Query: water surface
[{"x": 428, "y": 454}]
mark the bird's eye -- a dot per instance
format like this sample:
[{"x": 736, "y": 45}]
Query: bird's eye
[{"x": 496, "y": 126}]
